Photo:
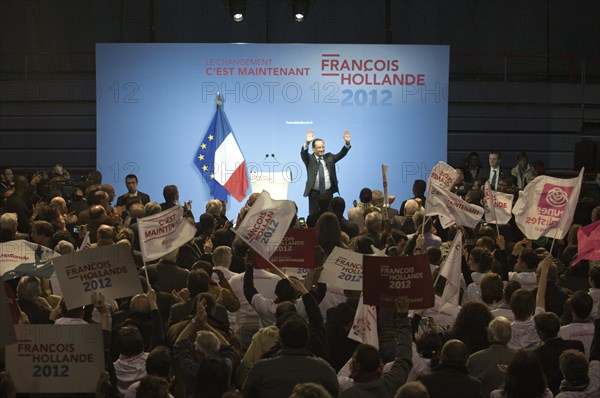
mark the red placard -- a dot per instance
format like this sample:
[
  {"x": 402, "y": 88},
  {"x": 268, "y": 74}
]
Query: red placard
[
  {"x": 386, "y": 279},
  {"x": 298, "y": 249}
]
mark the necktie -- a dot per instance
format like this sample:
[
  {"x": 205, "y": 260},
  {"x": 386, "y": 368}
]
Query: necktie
[
  {"x": 321, "y": 175},
  {"x": 494, "y": 180}
]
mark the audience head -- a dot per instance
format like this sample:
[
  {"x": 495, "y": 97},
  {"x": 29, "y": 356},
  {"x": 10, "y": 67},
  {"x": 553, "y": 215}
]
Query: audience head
[
  {"x": 29, "y": 288},
  {"x": 454, "y": 351},
  {"x": 309, "y": 390},
  {"x": 294, "y": 333},
  {"x": 153, "y": 387},
  {"x": 547, "y": 325},
  {"x": 581, "y": 304},
  {"x": 129, "y": 341},
  {"x": 365, "y": 196},
  {"x": 499, "y": 331},
  {"x": 198, "y": 281},
  {"x": 323, "y": 201},
  {"x": 492, "y": 288},
  {"x": 574, "y": 367},
  {"x": 524, "y": 376},
  {"x": 413, "y": 389},
  {"x": 522, "y": 304}
]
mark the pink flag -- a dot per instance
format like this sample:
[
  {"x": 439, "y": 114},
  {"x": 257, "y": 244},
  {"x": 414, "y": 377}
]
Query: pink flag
[{"x": 588, "y": 243}]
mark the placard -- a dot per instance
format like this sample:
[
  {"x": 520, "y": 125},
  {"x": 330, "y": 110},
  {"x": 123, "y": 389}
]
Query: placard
[
  {"x": 56, "y": 359},
  {"x": 386, "y": 279},
  {"x": 107, "y": 269},
  {"x": 344, "y": 269},
  {"x": 298, "y": 249}
]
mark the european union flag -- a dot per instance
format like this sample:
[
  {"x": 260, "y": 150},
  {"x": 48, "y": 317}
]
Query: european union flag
[{"x": 220, "y": 160}]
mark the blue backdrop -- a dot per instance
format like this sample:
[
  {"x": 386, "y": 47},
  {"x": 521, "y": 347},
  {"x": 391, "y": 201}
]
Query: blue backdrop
[{"x": 155, "y": 102}]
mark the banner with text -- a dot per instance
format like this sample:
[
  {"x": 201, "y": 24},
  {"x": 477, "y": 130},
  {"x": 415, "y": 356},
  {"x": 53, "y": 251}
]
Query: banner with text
[
  {"x": 266, "y": 223},
  {"x": 389, "y": 278},
  {"x": 107, "y": 269},
  {"x": 498, "y": 205},
  {"x": 451, "y": 208},
  {"x": 20, "y": 257},
  {"x": 164, "y": 232},
  {"x": 343, "y": 268},
  {"x": 56, "y": 359},
  {"x": 272, "y": 94},
  {"x": 298, "y": 249}
]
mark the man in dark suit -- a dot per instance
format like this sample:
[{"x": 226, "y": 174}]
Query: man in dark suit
[
  {"x": 547, "y": 326},
  {"x": 320, "y": 168},
  {"x": 132, "y": 195},
  {"x": 451, "y": 378},
  {"x": 494, "y": 172}
]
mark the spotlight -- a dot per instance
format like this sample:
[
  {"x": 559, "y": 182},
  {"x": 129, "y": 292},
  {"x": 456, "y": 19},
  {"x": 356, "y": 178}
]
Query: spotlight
[
  {"x": 237, "y": 9},
  {"x": 300, "y": 9}
]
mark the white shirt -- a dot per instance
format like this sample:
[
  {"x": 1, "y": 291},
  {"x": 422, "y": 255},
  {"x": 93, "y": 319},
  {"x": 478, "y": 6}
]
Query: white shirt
[
  {"x": 264, "y": 282},
  {"x": 583, "y": 332},
  {"x": 266, "y": 307},
  {"x": 524, "y": 335},
  {"x": 526, "y": 279},
  {"x": 325, "y": 174}
]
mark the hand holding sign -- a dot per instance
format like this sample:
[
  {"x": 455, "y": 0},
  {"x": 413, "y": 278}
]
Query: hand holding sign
[{"x": 402, "y": 307}]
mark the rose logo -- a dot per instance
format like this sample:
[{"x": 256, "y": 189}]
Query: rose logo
[{"x": 557, "y": 197}]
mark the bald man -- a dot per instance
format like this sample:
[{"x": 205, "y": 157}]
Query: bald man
[{"x": 450, "y": 378}]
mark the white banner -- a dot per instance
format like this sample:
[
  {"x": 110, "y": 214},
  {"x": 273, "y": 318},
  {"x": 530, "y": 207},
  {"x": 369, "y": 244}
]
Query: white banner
[
  {"x": 451, "y": 271},
  {"x": 266, "y": 223},
  {"x": 454, "y": 209},
  {"x": 498, "y": 205},
  {"x": 56, "y": 359},
  {"x": 442, "y": 175},
  {"x": 164, "y": 232},
  {"x": 107, "y": 269},
  {"x": 364, "y": 327},
  {"x": 343, "y": 269},
  {"x": 20, "y": 257},
  {"x": 547, "y": 205}
]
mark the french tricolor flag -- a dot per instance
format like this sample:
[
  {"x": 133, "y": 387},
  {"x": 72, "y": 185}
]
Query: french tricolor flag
[{"x": 220, "y": 160}]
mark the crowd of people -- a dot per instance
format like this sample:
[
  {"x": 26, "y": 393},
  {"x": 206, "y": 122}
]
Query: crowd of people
[{"x": 209, "y": 324}]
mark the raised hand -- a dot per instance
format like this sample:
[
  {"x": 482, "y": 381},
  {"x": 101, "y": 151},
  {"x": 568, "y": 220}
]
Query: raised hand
[
  {"x": 347, "y": 136},
  {"x": 309, "y": 136}
]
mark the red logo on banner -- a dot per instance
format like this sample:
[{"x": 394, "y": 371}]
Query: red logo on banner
[
  {"x": 386, "y": 279},
  {"x": 297, "y": 250},
  {"x": 554, "y": 198}
]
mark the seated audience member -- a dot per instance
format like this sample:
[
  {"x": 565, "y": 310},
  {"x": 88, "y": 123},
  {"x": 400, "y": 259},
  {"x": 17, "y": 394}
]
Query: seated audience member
[
  {"x": 414, "y": 389},
  {"x": 524, "y": 307},
  {"x": 504, "y": 308},
  {"x": 337, "y": 207},
  {"x": 491, "y": 290},
  {"x": 523, "y": 172},
  {"x": 36, "y": 308},
  {"x": 471, "y": 326},
  {"x": 366, "y": 364},
  {"x": 356, "y": 214},
  {"x": 309, "y": 390},
  {"x": 547, "y": 325},
  {"x": 426, "y": 354},
  {"x": 158, "y": 364},
  {"x": 527, "y": 263},
  {"x": 524, "y": 378},
  {"x": 581, "y": 379},
  {"x": 197, "y": 282},
  {"x": 276, "y": 377},
  {"x": 581, "y": 328},
  {"x": 451, "y": 378},
  {"x": 151, "y": 386},
  {"x": 486, "y": 365},
  {"x": 170, "y": 275},
  {"x": 480, "y": 263},
  {"x": 266, "y": 307},
  {"x": 131, "y": 365},
  {"x": 8, "y": 228},
  {"x": 207, "y": 363}
]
